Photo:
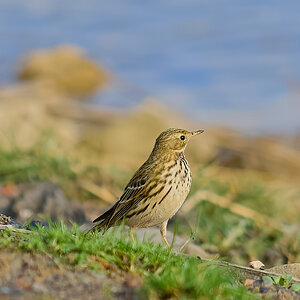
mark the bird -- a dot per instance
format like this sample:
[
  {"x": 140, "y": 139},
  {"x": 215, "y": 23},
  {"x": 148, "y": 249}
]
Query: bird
[{"x": 157, "y": 189}]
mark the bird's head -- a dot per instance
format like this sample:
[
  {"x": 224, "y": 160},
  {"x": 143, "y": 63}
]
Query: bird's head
[{"x": 175, "y": 139}]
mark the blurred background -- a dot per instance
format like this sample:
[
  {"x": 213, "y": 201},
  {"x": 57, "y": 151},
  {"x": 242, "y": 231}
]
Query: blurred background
[
  {"x": 226, "y": 62},
  {"x": 86, "y": 87}
]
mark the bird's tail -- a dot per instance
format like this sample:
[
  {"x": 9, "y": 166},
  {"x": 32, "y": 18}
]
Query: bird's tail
[
  {"x": 102, "y": 223},
  {"x": 86, "y": 227},
  {"x": 91, "y": 227}
]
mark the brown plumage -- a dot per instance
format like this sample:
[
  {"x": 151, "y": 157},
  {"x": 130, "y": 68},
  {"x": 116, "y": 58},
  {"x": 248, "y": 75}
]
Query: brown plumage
[{"x": 157, "y": 189}]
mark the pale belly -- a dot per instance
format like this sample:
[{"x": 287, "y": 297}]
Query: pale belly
[{"x": 165, "y": 205}]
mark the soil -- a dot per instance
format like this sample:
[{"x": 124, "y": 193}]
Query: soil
[
  {"x": 271, "y": 291},
  {"x": 37, "y": 276}
]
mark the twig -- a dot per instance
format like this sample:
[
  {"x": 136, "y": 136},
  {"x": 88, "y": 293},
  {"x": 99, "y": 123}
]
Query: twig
[
  {"x": 98, "y": 191},
  {"x": 14, "y": 229},
  {"x": 247, "y": 271}
]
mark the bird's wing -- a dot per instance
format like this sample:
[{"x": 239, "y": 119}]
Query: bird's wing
[
  {"x": 132, "y": 195},
  {"x": 133, "y": 187}
]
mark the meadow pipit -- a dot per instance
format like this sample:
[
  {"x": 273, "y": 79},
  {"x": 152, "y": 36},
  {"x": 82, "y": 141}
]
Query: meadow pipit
[{"x": 157, "y": 189}]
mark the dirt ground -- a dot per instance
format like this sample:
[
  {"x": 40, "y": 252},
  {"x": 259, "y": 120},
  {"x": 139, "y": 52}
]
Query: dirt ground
[
  {"x": 36, "y": 276},
  {"x": 39, "y": 276}
]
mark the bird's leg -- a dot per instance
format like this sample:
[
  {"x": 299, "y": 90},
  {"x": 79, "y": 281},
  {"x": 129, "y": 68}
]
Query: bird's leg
[
  {"x": 131, "y": 232},
  {"x": 163, "y": 231}
]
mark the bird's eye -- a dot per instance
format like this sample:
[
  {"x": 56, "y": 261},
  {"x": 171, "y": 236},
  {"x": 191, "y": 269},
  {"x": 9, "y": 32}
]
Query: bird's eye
[{"x": 182, "y": 137}]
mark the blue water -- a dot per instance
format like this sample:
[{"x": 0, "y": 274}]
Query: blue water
[{"x": 225, "y": 61}]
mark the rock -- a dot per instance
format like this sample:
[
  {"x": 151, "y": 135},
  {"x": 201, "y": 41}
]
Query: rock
[
  {"x": 66, "y": 69},
  {"x": 257, "y": 265},
  {"x": 44, "y": 198},
  {"x": 291, "y": 269}
]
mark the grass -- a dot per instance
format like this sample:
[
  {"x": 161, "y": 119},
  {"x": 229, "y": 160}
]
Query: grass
[
  {"x": 165, "y": 275},
  {"x": 33, "y": 165}
]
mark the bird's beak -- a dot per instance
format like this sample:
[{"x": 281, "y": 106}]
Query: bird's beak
[{"x": 196, "y": 132}]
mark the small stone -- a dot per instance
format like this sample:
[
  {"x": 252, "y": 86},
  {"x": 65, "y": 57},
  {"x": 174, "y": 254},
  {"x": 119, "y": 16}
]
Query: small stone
[
  {"x": 263, "y": 290},
  {"x": 248, "y": 282},
  {"x": 39, "y": 288},
  {"x": 257, "y": 265}
]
